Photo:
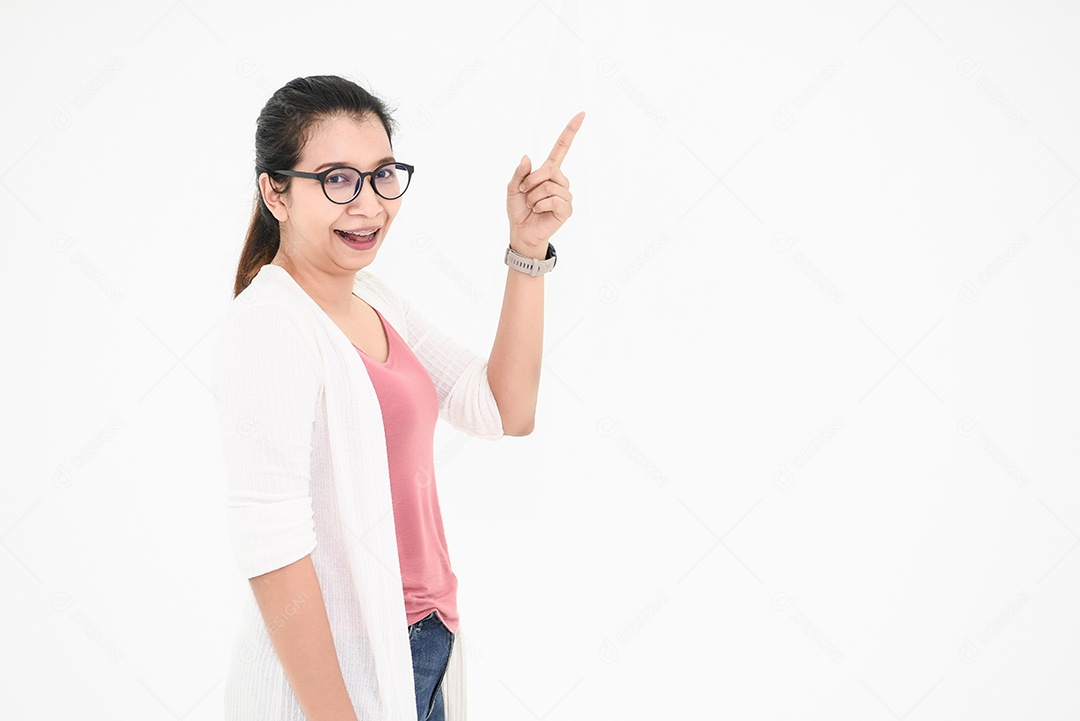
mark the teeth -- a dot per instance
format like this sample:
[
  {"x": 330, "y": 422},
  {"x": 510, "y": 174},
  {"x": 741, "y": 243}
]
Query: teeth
[{"x": 364, "y": 233}]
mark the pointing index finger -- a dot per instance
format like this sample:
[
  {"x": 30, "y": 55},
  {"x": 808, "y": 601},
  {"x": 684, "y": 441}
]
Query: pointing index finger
[{"x": 562, "y": 145}]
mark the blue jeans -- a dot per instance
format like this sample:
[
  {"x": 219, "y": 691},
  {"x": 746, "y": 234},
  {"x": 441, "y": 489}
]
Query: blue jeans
[{"x": 431, "y": 643}]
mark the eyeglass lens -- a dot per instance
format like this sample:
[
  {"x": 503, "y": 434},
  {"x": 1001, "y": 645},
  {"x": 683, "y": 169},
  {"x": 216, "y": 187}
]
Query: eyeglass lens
[{"x": 389, "y": 181}]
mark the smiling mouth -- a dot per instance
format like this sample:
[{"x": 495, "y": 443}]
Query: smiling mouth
[{"x": 363, "y": 237}]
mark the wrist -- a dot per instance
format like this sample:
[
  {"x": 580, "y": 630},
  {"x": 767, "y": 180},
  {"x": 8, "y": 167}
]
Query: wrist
[
  {"x": 530, "y": 250},
  {"x": 529, "y": 263}
]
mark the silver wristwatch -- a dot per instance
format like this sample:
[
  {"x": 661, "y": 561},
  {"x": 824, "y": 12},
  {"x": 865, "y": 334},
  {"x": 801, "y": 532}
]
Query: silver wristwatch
[{"x": 531, "y": 266}]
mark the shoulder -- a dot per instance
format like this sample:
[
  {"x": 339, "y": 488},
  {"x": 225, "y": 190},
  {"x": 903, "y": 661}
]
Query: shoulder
[
  {"x": 271, "y": 292},
  {"x": 270, "y": 309}
]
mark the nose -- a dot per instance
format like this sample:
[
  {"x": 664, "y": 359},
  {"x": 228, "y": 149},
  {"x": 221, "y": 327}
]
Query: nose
[{"x": 367, "y": 201}]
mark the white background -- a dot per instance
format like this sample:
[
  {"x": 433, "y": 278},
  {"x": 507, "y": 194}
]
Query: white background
[{"x": 806, "y": 438}]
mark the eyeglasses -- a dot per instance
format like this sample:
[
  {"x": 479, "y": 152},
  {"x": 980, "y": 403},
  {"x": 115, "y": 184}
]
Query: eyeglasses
[{"x": 342, "y": 184}]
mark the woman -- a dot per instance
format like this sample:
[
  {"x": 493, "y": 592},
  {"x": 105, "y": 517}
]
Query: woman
[{"x": 328, "y": 386}]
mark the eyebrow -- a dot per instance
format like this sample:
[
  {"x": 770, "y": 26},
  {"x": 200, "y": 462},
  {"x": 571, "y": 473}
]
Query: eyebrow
[{"x": 333, "y": 163}]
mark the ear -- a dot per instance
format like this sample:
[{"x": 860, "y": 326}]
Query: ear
[{"x": 274, "y": 200}]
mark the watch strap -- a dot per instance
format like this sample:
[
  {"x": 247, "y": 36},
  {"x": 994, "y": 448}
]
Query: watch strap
[{"x": 531, "y": 266}]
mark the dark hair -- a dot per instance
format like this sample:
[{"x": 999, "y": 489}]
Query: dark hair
[{"x": 283, "y": 127}]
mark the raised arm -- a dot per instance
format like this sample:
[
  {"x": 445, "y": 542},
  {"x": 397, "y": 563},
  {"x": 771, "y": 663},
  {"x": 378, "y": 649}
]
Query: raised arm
[{"x": 537, "y": 204}]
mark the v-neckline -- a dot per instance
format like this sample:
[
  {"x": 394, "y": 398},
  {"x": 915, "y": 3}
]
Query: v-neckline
[{"x": 386, "y": 334}]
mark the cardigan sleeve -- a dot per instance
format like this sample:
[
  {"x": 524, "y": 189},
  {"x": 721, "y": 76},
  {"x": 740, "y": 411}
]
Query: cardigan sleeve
[
  {"x": 267, "y": 384},
  {"x": 459, "y": 374}
]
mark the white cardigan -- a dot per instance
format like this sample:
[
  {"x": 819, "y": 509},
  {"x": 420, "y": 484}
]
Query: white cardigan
[{"x": 306, "y": 473}]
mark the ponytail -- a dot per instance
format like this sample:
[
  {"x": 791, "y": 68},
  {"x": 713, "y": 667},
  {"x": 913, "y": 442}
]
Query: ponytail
[{"x": 260, "y": 246}]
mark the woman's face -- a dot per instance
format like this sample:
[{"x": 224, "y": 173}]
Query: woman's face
[{"x": 312, "y": 225}]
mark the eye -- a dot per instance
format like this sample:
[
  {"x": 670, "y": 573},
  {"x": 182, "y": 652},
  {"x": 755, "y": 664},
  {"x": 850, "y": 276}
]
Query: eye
[
  {"x": 344, "y": 177},
  {"x": 386, "y": 172}
]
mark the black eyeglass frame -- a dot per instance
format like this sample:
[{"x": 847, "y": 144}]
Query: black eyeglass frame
[{"x": 321, "y": 177}]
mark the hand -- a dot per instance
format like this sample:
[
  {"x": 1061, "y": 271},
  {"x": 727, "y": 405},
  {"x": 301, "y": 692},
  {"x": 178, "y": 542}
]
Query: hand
[{"x": 539, "y": 202}]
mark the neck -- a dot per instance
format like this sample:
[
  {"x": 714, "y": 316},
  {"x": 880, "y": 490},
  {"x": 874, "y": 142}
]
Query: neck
[{"x": 332, "y": 292}]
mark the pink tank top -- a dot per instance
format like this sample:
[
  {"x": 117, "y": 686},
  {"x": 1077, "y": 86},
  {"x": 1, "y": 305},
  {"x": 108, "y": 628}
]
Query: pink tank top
[{"x": 410, "y": 409}]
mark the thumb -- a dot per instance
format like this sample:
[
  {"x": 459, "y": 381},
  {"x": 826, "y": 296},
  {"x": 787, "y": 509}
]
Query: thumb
[{"x": 523, "y": 169}]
